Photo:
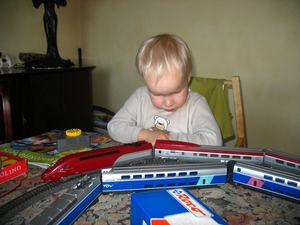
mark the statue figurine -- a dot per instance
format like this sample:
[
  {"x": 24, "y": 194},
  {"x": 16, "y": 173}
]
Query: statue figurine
[{"x": 53, "y": 59}]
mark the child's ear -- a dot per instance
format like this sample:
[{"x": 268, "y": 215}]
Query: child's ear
[{"x": 189, "y": 77}]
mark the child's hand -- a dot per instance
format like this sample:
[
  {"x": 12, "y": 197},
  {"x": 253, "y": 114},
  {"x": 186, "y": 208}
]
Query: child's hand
[{"x": 151, "y": 136}]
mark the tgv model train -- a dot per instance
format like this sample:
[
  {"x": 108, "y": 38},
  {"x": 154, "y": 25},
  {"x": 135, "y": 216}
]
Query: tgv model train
[
  {"x": 269, "y": 171},
  {"x": 266, "y": 170},
  {"x": 123, "y": 155},
  {"x": 97, "y": 159},
  {"x": 264, "y": 179},
  {"x": 154, "y": 177}
]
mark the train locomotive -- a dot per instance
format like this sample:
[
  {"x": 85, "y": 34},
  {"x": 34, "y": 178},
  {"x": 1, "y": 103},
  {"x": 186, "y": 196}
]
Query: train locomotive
[{"x": 269, "y": 171}]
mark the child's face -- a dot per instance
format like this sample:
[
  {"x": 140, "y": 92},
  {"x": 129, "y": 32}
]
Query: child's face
[{"x": 170, "y": 92}]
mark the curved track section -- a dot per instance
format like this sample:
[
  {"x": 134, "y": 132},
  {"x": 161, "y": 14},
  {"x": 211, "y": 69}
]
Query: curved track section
[{"x": 19, "y": 204}]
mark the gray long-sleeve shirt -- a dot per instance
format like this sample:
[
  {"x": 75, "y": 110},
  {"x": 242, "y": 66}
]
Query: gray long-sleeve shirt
[{"x": 193, "y": 122}]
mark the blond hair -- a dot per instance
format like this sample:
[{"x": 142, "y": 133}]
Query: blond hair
[{"x": 160, "y": 54}]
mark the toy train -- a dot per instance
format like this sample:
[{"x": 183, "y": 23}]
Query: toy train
[
  {"x": 157, "y": 177},
  {"x": 268, "y": 180},
  {"x": 266, "y": 170},
  {"x": 269, "y": 171},
  {"x": 71, "y": 204},
  {"x": 84, "y": 162},
  {"x": 139, "y": 178},
  {"x": 122, "y": 155}
]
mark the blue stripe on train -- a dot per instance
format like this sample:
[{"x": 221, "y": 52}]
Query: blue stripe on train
[{"x": 130, "y": 184}]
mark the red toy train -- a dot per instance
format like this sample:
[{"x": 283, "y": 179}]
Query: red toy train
[{"x": 122, "y": 155}]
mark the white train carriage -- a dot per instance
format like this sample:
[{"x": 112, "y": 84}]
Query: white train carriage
[
  {"x": 159, "y": 177},
  {"x": 283, "y": 161},
  {"x": 280, "y": 183}
]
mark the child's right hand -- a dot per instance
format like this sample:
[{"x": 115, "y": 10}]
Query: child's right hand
[{"x": 151, "y": 136}]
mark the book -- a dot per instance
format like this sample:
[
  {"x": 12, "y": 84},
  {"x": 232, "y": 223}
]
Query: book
[
  {"x": 34, "y": 158},
  {"x": 100, "y": 121},
  {"x": 40, "y": 151},
  {"x": 11, "y": 166}
]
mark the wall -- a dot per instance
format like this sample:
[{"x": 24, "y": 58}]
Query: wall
[
  {"x": 256, "y": 40},
  {"x": 23, "y": 29}
]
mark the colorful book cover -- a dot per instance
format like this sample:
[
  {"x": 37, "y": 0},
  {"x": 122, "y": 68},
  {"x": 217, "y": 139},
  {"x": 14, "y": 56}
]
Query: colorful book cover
[
  {"x": 11, "y": 166},
  {"x": 40, "y": 151},
  {"x": 34, "y": 158}
]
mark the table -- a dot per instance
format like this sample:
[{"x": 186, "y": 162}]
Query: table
[{"x": 236, "y": 204}]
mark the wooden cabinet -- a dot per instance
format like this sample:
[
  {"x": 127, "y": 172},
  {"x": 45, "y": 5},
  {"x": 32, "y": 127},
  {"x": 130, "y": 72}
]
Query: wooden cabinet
[{"x": 36, "y": 101}]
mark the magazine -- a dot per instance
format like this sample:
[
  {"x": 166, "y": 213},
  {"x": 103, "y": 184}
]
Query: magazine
[{"x": 41, "y": 151}]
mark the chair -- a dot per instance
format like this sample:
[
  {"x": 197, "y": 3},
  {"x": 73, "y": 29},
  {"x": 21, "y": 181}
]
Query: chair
[{"x": 209, "y": 87}]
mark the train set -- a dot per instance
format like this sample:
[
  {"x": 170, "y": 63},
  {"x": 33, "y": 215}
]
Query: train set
[{"x": 133, "y": 167}]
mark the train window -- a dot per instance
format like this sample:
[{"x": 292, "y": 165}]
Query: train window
[
  {"x": 290, "y": 194},
  {"x": 193, "y": 173},
  {"x": 160, "y": 185},
  {"x": 266, "y": 187},
  {"x": 214, "y": 155},
  {"x": 292, "y": 183},
  {"x": 247, "y": 157},
  {"x": 203, "y": 181},
  {"x": 171, "y": 185},
  {"x": 148, "y": 186},
  {"x": 160, "y": 175},
  {"x": 182, "y": 153},
  {"x": 267, "y": 177},
  {"x": 125, "y": 177},
  {"x": 279, "y": 161},
  {"x": 149, "y": 176},
  {"x": 182, "y": 184},
  {"x": 137, "y": 176},
  {"x": 171, "y": 174},
  {"x": 192, "y": 183},
  {"x": 236, "y": 157},
  {"x": 182, "y": 174},
  {"x": 239, "y": 169},
  {"x": 194, "y": 154},
  {"x": 225, "y": 156},
  {"x": 203, "y": 154},
  {"x": 278, "y": 190},
  {"x": 279, "y": 180},
  {"x": 291, "y": 165},
  {"x": 255, "y": 183}
]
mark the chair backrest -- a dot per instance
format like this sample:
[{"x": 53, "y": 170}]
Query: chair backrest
[
  {"x": 215, "y": 91},
  {"x": 239, "y": 111}
]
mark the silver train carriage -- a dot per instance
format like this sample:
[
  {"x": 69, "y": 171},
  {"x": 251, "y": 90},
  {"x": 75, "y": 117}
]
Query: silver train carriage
[
  {"x": 212, "y": 154},
  {"x": 282, "y": 161},
  {"x": 71, "y": 204},
  {"x": 160, "y": 177},
  {"x": 272, "y": 181}
]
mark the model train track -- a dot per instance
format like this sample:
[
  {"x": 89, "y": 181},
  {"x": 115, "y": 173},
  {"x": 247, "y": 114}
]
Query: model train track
[
  {"x": 19, "y": 204},
  {"x": 110, "y": 176},
  {"x": 14, "y": 207}
]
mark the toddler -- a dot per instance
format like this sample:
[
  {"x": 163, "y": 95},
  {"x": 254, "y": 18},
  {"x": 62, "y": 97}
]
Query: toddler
[{"x": 165, "y": 108}]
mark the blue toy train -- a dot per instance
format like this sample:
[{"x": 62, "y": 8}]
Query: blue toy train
[{"x": 269, "y": 171}]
